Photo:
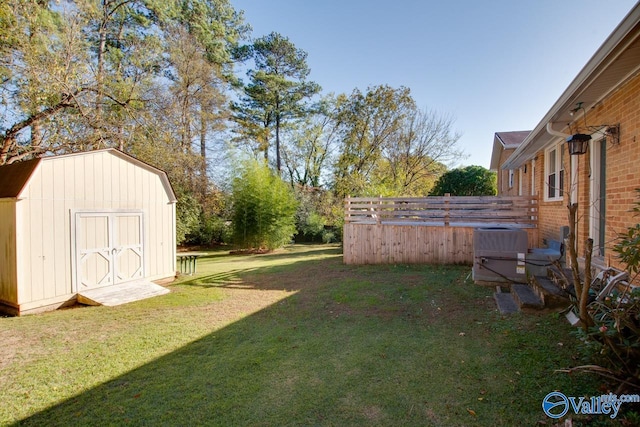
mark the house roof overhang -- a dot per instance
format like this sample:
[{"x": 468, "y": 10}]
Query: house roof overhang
[
  {"x": 613, "y": 64},
  {"x": 504, "y": 141}
]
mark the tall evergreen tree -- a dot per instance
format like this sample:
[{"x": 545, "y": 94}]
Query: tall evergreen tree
[{"x": 277, "y": 92}]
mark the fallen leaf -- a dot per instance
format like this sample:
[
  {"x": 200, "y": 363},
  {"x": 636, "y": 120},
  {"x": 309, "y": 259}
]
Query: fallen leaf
[{"x": 472, "y": 412}]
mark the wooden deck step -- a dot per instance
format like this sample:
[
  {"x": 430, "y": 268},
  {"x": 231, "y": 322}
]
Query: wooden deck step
[
  {"x": 561, "y": 278},
  {"x": 505, "y": 302},
  {"x": 525, "y": 297},
  {"x": 549, "y": 292},
  {"x": 121, "y": 293}
]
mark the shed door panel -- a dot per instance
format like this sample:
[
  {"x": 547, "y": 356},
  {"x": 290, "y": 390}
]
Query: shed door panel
[
  {"x": 109, "y": 248},
  {"x": 127, "y": 241}
]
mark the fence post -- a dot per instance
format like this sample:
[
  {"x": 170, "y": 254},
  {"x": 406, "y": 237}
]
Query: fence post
[
  {"x": 347, "y": 205},
  {"x": 447, "y": 200}
]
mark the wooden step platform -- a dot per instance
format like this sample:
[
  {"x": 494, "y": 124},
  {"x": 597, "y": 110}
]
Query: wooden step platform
[
  {"x": 121, "y": 293},
  {"x": 549, "y": 292},
  {"x": 525, "y": 297},
  {"x": 505, "y": 302}
]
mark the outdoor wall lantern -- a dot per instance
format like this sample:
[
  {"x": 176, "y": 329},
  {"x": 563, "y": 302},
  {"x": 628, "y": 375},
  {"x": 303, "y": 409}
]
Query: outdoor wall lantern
[{"x": 578, "y": 143}]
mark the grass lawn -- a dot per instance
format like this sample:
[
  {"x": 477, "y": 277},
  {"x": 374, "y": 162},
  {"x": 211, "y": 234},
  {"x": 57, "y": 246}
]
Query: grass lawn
[{"x": 290, "y": 338}]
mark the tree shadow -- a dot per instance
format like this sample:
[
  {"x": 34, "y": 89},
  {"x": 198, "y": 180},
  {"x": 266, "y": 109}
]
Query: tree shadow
[{"x": 218, "y": 379}]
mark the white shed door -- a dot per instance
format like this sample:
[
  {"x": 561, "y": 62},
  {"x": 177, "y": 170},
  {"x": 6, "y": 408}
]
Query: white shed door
[{"x": 109, "y": 248}]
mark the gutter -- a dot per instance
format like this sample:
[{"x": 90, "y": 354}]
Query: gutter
[
  {"x": 601, "y": 58},
  {"x": 552, "y": 131}
]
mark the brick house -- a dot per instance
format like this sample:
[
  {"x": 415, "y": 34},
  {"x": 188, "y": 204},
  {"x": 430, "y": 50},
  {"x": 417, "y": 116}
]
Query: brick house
[
  {"x": 601, "y": 106},
  {"x": 510, "y": 182}
]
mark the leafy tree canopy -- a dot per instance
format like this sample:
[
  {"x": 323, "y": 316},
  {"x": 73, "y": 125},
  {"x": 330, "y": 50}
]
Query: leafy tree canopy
[{"x": 467, "y": 181}]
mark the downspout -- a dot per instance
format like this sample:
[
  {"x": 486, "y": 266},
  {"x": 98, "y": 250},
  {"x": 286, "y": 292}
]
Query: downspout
[{"x": 554, "y": 132}]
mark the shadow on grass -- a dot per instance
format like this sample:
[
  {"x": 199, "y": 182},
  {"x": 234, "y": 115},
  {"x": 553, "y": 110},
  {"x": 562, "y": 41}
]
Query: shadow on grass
[
  {"x": 351, "y": 347},
  {"x": 234, "y": 277}
]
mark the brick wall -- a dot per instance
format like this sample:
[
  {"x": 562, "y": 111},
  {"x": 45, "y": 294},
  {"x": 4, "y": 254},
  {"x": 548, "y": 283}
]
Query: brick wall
[
  {"x": 622, "y": 172},
  {"x": 503, "y": 178}
]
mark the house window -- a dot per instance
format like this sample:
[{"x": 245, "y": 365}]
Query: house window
[
  {"x": 520, "y": 179},
  {"x": 510, "y": 178},
  {"x": 554, "y": 172}
]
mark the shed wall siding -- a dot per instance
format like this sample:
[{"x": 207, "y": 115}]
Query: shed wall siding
[
  {"x": 8, "y": 272},
  {"x": 98, "y": 181}
]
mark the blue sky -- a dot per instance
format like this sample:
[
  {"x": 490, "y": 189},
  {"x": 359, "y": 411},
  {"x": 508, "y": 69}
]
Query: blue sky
[{"x": 494, "y": 65}]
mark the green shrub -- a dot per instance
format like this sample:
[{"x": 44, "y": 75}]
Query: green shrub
[
  {"x": 187, "y": 216},
  {"x": 264, "y": 208},
  {"x": 613, "y": 341},
  {"x": 212, "y": 230}
]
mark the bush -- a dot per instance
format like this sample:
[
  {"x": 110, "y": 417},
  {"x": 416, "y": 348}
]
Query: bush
[
  {"x": 613, "y": 341},
  {"x": 212, "y": 230},
  {"x": 264, "y": 208},
  {"x": 187, "y": 216}
]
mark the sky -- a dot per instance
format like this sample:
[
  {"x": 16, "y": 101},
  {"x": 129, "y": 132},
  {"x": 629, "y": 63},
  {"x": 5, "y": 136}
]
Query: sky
[{"x": 493, "y": 65}]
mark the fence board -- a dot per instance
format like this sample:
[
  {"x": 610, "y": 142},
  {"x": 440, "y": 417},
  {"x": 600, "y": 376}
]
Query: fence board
[{"x": 428, "y": 230}]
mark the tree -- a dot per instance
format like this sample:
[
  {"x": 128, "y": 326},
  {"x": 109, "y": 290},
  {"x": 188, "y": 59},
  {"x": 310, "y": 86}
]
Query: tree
[
  {"x": 388, "y": 145},
  {"x": 467, "y": 181},
  {"x": 368, "y": 123},
  {"x": 423, "y": 147},
  {"x": 43, "y": 73},
  {"x": 276, "y": 93},
  {"x": 264, "y": 208},
  {"x": 311, "y": 145}
]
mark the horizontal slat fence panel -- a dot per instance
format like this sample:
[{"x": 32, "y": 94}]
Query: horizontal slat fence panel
[
  {"x": 434, "y": 230},
  {"x": 521, "y": 210}
]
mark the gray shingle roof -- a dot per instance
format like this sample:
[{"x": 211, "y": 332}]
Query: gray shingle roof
[{"x": 512, "y": 139}]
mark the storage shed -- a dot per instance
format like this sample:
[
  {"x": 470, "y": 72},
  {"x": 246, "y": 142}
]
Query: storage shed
[{"x": 78, "y": 222}]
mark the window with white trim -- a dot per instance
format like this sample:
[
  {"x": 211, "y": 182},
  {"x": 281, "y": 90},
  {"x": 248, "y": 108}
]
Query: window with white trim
[
  {"x": 520, "y": 179},
  {"x": 554, "y": 173},
  {"x": 510, "y": 178}
]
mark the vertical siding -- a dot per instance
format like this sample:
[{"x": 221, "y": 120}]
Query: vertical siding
[
  {"x": 409, "y": 244},
  {"x": 8, "y": 272},
  {"x": 97, "y": 181}
]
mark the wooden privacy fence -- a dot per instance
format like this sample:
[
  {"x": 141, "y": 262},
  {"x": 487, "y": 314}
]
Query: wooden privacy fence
[{"x": 437, "y": 230}]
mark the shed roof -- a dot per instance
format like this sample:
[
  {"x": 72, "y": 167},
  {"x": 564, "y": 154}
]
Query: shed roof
[
  {"x": 14, "y": 177},
  {"x": 612, "y": 65}
]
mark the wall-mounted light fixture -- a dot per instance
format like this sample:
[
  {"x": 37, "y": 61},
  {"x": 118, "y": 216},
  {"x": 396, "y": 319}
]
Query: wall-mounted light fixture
[{"x": 578, "y": 143}]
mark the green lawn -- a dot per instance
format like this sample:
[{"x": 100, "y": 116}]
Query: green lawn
[{"x": 291, "y": 338}]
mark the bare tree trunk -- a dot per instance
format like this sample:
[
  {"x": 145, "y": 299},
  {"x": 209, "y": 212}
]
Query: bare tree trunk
[
  {"x": 573, "y": 249},
  {"x": 204, "y": 181},
  {"x": 584, "y": 296},
  {"x": 582, "y": 289}
]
